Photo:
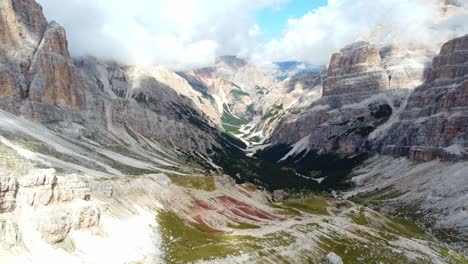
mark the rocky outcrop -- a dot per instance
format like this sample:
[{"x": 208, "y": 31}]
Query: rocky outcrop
[
  {"x": 332, "y": 258},
  {"x": 235, "y": 83},
  {"x": 52, "y": 205},
  {"x": 279, "y": 196},
  {"x": 434, "y": 123},
  {"x": 85, "y": 215},
  {"x": 122, "y": 99},
  {"x": 8, "y": 191},
  {"x": 54, "y": 79},
  {"x": 42, "y": 187},
  {"x": 36, "y": 73},
  {"x": 71, "y": 188},
  {"x": 37, "y": 188},
  {"x": 54, "y": 224},
  {"x": 38, "y": 79},
  {"x": 355, "y": 70},
  {"x": 22, "y": 27},
  {"x": 363, "y": 86}
]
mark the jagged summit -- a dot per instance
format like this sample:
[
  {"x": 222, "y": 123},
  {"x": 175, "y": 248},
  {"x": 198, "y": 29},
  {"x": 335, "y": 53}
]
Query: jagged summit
[
  {"x": 232, "y": 61},
  {"x": 108, "y": 163}
]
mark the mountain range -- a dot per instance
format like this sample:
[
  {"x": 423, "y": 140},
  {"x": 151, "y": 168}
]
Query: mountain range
[{"x": 108, "y": 163}]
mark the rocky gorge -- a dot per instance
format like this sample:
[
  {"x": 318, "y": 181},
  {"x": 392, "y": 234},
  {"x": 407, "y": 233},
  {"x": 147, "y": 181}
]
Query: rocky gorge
[{"x": 363, "y": 160}]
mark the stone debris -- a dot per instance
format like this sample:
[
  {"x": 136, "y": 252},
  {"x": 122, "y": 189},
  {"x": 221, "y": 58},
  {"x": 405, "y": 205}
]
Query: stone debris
[{"x": 332, "y": 258}]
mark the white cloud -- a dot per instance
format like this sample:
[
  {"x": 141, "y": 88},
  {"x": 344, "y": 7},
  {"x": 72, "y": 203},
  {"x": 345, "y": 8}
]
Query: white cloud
[
  {"x": 175, "y": 33},
  {"x": 321, "y": 32},
  {"x": 192, "y": 33}
]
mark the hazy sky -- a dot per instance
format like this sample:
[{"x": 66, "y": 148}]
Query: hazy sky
[{"x": 184, "y": 34}]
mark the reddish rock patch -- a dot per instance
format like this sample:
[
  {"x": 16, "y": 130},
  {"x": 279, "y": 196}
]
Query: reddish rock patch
[
  {"x": 201, "y": 205},
  {"x": 241, "y": 190},
  {"x": 244, "y": 210}
]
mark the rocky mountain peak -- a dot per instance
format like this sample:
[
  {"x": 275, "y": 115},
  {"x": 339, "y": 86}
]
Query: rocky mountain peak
[
  {"x": 23, "y": 24},
  {"x": 232, "y": 61},
  {"x": 434, "y": 123},
  {"x": 36, "y": 72}
]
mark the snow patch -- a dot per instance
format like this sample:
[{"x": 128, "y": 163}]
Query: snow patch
[{"x": 298, "y": 147}]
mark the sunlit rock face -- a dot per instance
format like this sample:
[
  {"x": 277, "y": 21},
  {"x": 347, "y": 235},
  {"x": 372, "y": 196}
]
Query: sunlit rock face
[
  {"x": 23, "y": 25},
  {"x": 40, "y": 80},
  {"x": 120, "y": 98},
  {"x": 54, "y": 81},
  {"x": 363, "y": 86},
  {"x": 36, "y": 74},
  {"x": 234, "y": 82},
  {"x": 435, "y": 121},
  {"x": 41, "y": 201}
]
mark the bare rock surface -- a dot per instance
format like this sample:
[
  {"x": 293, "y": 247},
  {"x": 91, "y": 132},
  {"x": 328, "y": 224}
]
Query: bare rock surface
[
  {"x": 8, "y": 192},
  {"x": 37, "y": 188},
  {"x": 435, "y": 122},
  {"x": 332, "y": 258},
  {"x": 53, "y": 205},
  {"x": 38, "y": 79},
  {"x": 9, "y": 234},
  {"x": 85, "y": 214},
  {"x": 359, "y": 94},
  {"x": 54, "y": 224}
]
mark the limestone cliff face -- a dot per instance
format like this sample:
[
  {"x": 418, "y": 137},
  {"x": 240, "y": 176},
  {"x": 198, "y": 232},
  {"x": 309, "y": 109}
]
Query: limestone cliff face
[
  {"x": 362, "y": 87},
  {"x": 53, "y": 206},
  {"x": 235, "y": 83},
  {"x": 356, "y": 63},
  {"x": 434, "y": 123},
  {"x": 121, "y": 99},
  {"x": 36, "y": 71},
  {"x": 23, "y": 25},
  {"x": 39, "y": 79},
  {"x": 54, "y": 79}
]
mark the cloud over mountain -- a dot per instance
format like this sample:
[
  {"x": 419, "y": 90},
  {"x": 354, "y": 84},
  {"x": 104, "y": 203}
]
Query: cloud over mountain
[
  {"x": 325, "y": 30},
  {"x": 184, "y": 34},
  {"x": 175, "y": 33}
]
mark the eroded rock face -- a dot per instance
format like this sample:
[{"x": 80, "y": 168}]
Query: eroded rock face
[
  {"x": 122, "y": 98},
  {"x": 434, "y": 123},
  {"x": 236, "y": 83},
  {"x": 353, "y": 70},
  {"x": 22, "y": 27},
  {"x": 362, "y": 87},
  {"x": 279, "y": 196},
  {"x": 332, "y": 258},
  {"x": 36, "y": 72},
  {"x": 38, "y": 79},
  {"x": 9, "y": 234},
  {"x": 70, "y": 188},
  {"x": 54, "y": 224},
  {"x": 55, "y": 81},
  {"x": 37, "y": 188},
  {"x": 8, "y": 191},
  {"x": 85, "y": 214},
  {"x": 53, "y": 206}
]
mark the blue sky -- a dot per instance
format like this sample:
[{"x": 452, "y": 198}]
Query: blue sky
[{"x": 273, "y": 21}]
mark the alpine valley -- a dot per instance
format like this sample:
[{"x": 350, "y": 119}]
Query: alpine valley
[{"x": 363, "y": 160}]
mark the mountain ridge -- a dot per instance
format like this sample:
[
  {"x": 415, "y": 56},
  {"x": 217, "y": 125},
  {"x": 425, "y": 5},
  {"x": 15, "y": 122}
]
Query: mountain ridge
[{"x": 90, "y": 149}]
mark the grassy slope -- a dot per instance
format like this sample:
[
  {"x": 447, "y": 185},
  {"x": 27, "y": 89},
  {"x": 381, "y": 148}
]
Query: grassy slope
[{"x": 372, "y": 238}]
